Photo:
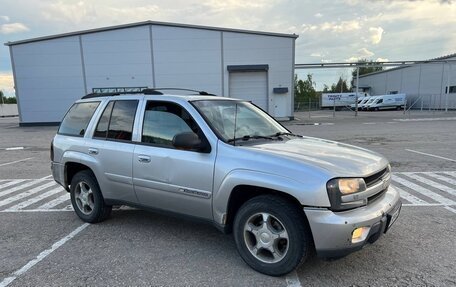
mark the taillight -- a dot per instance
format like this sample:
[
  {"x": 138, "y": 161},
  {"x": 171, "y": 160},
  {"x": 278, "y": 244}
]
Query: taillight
[{"x": 52, "y": 150}]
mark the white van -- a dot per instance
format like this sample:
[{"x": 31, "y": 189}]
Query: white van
[
  {"x": 362, "y": 99},
  {"x": 368, "y": 101},
  {"x": 386, "y": 102}
]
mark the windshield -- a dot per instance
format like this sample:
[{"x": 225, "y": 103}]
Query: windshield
[{"x": 237, "y": 120}]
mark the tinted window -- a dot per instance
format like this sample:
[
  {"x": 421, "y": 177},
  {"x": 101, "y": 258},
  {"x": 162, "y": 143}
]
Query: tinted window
[
  {"x": 122, "y": 118},
  {"x": 103, "y": 124},
  {"x": 162, "y": 121},
  {"x": 78, "y": 117}
]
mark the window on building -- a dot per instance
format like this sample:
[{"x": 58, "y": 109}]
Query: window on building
[
  {"x": 452, "y": 89},
  {"x": 164, "y": 120},
  {"x": 77, "y": 119}
]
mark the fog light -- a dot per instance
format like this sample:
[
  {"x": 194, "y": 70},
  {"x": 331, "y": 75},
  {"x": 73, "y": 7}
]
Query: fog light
[{"x": 360, "y": 234}]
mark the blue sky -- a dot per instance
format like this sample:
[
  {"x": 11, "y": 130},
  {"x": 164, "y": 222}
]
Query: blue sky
[{"x": 329, "y": 31}]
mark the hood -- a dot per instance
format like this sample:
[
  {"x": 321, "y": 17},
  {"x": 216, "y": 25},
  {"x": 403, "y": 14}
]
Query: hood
[{"x": 337, "y": 158}]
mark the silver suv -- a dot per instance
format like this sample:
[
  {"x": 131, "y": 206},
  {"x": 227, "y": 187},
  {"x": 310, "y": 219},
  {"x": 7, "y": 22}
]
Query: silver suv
[{"x": 226, "y": 162}]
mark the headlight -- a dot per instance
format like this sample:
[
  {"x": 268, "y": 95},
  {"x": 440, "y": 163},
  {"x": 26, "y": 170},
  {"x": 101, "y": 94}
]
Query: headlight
[{"x": 342, "y": 193}]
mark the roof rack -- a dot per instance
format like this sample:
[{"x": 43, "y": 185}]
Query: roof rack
[{"x": 145, "y": 91}]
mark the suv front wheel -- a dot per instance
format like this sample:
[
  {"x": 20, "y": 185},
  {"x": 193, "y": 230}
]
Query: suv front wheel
[
  {"x": 271, "y": 235},
  {"x": 86, "y": 198}
]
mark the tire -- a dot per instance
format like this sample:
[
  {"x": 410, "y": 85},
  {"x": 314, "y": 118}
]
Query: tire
[
  {"x": 282, "y": 216},
  {"x": 86, "y": 198},
  {"x": 376, "y": 109}
]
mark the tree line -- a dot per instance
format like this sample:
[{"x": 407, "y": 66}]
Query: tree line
[
  {"x": 7, "y": 100},
  {"x": 304, "y": 89}
]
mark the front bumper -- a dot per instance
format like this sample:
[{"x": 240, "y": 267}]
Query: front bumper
[{"x": 332, "y": 231}]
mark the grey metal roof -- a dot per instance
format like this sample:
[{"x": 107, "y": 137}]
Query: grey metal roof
[
  {"x": 149, "y": 22},
  {"x": 449, "y": 56}
]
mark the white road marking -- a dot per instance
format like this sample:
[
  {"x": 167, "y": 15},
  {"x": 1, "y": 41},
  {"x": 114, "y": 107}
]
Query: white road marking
[
  {"x": 26, "y": 193},
  {"x": 411, "y": 198},
  {"x": 450, "y": 209},
  {"x": 428, "y": 154},
  {"x": 41, "y": 256},
  {"x": 293, "y": 279},
  {"x": 55, "y": 202},
  {"x": 16, "y": 188},
  {"x": 426, "y": 192},
  {"x": 442, "y": 178},
  {"x": 14, "y": 148},
  {"x": 426, "y": 119},
  {"x": 47, "y": 177},
  {"x": 450, "y": 173},
  {"x": 433, "y": 183},
  {"x": 13, "y": 182},
  {"x": 12, "y": 162},
  {"x": 35, "y": 210},
  {"x": 423, "y": 204},
  {"x": 369, "y": 123},
  {"x": 35, "y": 199}
]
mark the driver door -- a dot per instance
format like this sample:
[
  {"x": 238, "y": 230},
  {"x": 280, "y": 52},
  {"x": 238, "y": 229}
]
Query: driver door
[{"x": 167, "y": 178}]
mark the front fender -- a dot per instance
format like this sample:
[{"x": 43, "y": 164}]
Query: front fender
[{"x": 309, "y": 194}]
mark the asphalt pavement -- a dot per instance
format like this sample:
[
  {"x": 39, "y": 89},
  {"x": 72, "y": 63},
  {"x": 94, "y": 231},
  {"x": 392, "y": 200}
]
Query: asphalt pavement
[{"x": 43, "y": 243}]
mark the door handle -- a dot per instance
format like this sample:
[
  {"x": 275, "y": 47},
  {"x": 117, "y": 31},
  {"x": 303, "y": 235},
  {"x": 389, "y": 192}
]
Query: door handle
[
  {"x": 144, "y": 158},
  {"x": 93, "y": 151}
]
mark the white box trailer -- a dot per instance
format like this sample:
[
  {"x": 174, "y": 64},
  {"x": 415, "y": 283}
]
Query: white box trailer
[
  {"x": 387, "y": 102},
  {"x": 339, "y": 100}
]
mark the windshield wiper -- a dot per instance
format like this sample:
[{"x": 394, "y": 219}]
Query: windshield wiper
[
  {"x": 249, "y": 137},
  {"x": 285, "y": 134}
]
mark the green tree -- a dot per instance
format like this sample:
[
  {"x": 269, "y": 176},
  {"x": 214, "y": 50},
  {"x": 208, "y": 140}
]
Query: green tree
[
  {"x": 304, "y": 91},
  {"x": 6, "y": 100},
  {"x": 339, "y": 87},
  {"x": 364, "y": 70}
]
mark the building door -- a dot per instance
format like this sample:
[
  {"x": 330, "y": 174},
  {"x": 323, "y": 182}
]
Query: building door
[{"x": 250, "y": 86}]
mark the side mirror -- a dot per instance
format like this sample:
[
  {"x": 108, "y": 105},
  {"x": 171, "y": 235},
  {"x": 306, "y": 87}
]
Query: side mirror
[{"x": 187, "y": 141}]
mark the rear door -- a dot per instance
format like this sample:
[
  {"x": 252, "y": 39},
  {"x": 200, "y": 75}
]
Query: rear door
[
  {"x": 112, "y": 149},
  {"x": 168, "y": 178}
]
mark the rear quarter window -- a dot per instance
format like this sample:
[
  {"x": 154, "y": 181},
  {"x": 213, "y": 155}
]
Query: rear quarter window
[{"x": 77, "y": 119}]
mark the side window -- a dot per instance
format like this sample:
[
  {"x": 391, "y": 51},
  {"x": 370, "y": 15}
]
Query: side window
[
  {"x": 117, "y": 120},
  {"x": 77, "y": 119},
  {"x": 102, "y": 128},
  {"x": 163, "y": 120},
  {"x": 380, "y": 101}
]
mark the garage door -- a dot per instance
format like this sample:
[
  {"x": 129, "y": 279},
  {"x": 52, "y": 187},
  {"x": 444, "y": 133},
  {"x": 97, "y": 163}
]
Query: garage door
[{"x": 250, "y": 86}]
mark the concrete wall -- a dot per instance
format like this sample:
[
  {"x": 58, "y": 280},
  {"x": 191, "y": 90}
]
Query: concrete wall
[
  {"x": 51, "y": 74},
  {"x": 8, "y": 110}
]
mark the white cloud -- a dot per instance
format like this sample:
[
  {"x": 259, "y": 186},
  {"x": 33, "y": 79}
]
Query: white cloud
[
  {"x": 381, "y": 60},
  {"x": 376, "y": 34},
  {"x": 362, "y": 53},
  {"x": 217, "y": 5},
  {"x": 315, "y": 54},
  {"x": 342, "y": 26},
  {"x": 5, "y": 18},
  {"x": 11, "y": 28},
  {"x": 318, "y": 15},
  {"x": 70, "y": 12}
]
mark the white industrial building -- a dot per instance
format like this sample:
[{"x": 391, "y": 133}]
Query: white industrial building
[
  {"x": 426, "y": 84},
  {"x": 51, "y": 72}
]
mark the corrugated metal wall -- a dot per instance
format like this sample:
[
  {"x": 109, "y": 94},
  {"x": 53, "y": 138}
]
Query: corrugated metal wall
[{"x": 51, "y": 74}]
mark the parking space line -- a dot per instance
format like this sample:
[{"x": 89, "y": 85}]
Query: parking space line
[
  {"x": 450, "y": 209},
  {"x": 426, "y": 192},
  {"x": 47, "y": 177},
  {"x": 433, "y": 184},
  {"x": 410, "y": 198},
  {"x": 293, "y": 279},
  {"x": 22, "y": 186},
  {"x": 428, "y": 154},
  {"x": 13, "y": 182},
  {"x": 35, "y": 199},
  {"x": 35, "y": 210},
  {"x": 41, "y": 256},
  {"x": 442, "y": 178},
  {"x": 26, "y": 193},
  {"x": 12, "y": 162},
  {"x": 55, "y": 202}
]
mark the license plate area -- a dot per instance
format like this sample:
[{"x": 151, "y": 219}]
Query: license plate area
[{"x": 392, "y": 216}]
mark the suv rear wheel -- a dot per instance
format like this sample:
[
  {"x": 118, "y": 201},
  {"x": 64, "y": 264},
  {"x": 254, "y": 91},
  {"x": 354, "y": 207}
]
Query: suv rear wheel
[
  {"x": 271, "y": 235},
  {"x": 86, "y": 198}
]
